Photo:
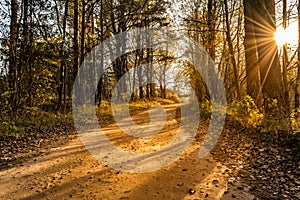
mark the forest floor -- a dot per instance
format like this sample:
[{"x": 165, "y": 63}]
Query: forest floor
[{"x": 239, "y": 167}]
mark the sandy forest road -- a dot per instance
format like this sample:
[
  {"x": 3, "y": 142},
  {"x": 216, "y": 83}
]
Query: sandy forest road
[{"x": 71, "y": 172}]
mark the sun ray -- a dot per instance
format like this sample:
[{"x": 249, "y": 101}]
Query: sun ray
[{"x": 269, "y": 67}]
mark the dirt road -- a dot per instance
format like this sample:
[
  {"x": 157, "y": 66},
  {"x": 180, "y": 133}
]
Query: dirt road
[{"x": 71, "y": 172}]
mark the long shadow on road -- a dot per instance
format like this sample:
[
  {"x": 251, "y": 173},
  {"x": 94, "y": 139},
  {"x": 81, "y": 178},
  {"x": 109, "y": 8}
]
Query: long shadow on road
[{"x": 71, "y": 172}]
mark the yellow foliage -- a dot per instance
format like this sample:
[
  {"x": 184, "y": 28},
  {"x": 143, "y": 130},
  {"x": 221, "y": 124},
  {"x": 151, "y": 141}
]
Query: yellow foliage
[{"x": 246, "y": 113}]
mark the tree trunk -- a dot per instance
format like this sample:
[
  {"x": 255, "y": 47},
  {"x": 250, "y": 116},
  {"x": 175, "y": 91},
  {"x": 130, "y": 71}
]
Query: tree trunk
[
  {"x": 211, "y": 28},
  {"x": 82, "y": 43},
  {"x": 271, "y": 78},
  {"x": 63, "y": 66},
  {"x": 100, "y": 83},
  {"x": 31, "y": 57},
  {"x": 140, "y": 76},
  {"x": 252, "y": 67},
  {"x": 75, "y": 39},
  {"x": 24, "y": 56},
  {"x": 285, "y": 61},
  {"x": 231, "y": 52},
  {"x": 76, "y": 56},
  {"x": 297, "y": 87},
  {"x": 13, "y": 76}
]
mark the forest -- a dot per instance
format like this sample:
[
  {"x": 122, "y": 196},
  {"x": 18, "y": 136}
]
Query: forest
[{"x": 230, "y": 66}]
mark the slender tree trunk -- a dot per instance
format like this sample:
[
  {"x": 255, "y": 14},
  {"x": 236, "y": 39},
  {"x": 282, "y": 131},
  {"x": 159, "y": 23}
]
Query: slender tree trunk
[
  {"x": 25, "y": 56},
  {"x": 285, "y": 61},
  {"x": 211, "y": 28},
  {"x": 100, "y": 84},
  {"x": 211, "y": 7},
  {"x": 164, "y": 81},
  {"x": 133, "y": 77},
  {"x": 297, "y": 87},
  {"x": 31, "y": 57},
  {"x": 63, "y": 65},
  {"x": 231, "y": 52},
  {"x": 136, "y": 60},
  {"x": 140, "y": 76},
  {"x": 238, "y": 40},
  {"x": 150, "y": 85},
  {"x": 13, "y": 76},
  {"x": 76, "y": 55},
  {"x": 139, "y": 57},
  {"x": 76, "y": 38},
  {"x": 82, "y": 43}
]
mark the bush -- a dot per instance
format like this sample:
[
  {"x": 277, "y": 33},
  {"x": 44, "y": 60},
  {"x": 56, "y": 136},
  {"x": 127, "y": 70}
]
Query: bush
[
  {"x": 164, "y": 101},
  {"x": 173, "y": 97},
  {"x": 276, "y": 121},
  {"x": 205, "y": 109},
  {"x": 245, "y": 113}
]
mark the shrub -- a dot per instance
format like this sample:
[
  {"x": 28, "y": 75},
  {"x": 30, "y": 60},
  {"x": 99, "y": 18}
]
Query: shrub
[
  {"x": 205, "y": 109},
  {"x": 173, "y": 97},
  {"x": 275, "y": 120},
  {"x": 245, "y": 113}
]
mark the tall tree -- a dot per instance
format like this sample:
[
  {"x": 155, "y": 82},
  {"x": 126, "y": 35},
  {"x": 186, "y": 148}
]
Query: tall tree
[
  {"x": 285, "y": 61},
  {"x": 62, "y": 90},
  {"x": 231, "y": 51},
  {"x": 76, "y": 53},
  {"x": 100, "y": 84},
  {"x": 76, "y": 37},
  {"x": 211, "y": 23},
  {"x": 252, "y": 67},
  {"x": 13, "y": 63},
  {"x": 83, "y": 29},
  {"x": 297, "y": 87},
  {"x": 264, "y": 22},
  {"x": 25, "y": 53}
]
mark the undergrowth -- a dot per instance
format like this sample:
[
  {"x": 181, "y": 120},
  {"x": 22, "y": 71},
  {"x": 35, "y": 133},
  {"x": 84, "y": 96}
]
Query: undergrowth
[
  {"x": 35, "y": 120},
  {"x": 242, "y": 115}
]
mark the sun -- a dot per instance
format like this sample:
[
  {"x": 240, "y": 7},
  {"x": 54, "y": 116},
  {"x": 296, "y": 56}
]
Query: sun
[
  {"x": 288, "y": 35},
  {"x": 280, "y": 36}
]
